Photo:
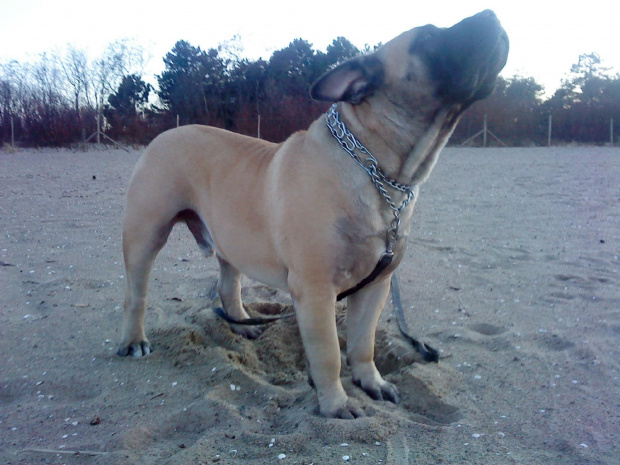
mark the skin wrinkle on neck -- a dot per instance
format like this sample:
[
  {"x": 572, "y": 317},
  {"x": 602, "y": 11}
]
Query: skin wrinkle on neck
[
  {"x": 383, "y": 126},
  {"x": 410, "y": 159},
  {"x": 423, "y": 147},
  {"x": 402, "y": 163},
  {"x": 355, "y": 119}
]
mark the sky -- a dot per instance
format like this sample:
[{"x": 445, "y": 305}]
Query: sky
[{"x": 546, "y": 37}]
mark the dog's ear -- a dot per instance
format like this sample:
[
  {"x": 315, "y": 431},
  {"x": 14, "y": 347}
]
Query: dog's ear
[{"x": 351, "y": 81}]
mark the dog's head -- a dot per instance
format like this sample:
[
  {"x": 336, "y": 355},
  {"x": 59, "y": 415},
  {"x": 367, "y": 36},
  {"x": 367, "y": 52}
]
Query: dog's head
[{"x": 423, "y": 68}]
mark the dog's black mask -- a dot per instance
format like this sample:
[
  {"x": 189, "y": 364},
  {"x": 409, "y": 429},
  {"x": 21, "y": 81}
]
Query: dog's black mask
[{"x": 466, "y": 58}]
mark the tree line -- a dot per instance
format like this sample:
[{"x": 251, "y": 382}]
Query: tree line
[
  {"x": 581, "y": 109},
  {"x": 54, "y": 101}
]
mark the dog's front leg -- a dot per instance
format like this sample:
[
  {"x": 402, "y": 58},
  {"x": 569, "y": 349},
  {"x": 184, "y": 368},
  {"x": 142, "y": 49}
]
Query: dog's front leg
[
  {"x": 363, "y": 311},
  {"x": 315, "y": 311}
]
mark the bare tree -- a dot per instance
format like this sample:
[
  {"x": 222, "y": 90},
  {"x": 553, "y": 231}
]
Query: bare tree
[
  {"x": 47, "y": 82},
  {"x": 120, "y": 58},
  {"x": 76, "y": 71},
  {"x": 10, "y": 77}
]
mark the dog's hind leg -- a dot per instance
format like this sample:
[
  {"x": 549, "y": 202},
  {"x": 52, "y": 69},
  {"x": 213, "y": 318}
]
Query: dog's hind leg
[
  {"x": 229, "y": 285},
  {"x": 229, "y": 289},
  {"x": 142, "y": 240}
]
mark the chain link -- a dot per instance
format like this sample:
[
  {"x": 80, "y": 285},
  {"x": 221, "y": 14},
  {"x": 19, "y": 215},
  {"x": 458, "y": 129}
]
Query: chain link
[{"x": 351, "y": 145}]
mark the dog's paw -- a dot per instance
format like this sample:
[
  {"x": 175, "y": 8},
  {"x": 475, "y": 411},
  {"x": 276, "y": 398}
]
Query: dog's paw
[
  {"x": 379, "y": 390},
  {"x": 349, "y": 411},
  {"x": 367, "y": 377},
  {"x": 249, "y": 332},
  {"x": 135, "y": 349}
]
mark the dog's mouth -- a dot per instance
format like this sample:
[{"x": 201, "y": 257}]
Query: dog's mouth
[{"x": 465, "y": 59}]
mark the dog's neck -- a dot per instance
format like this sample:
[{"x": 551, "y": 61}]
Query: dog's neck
[
  {"x": 403, "y": 154},
  {"x": 372, "y": 131},
  {"x": 413, "y": 164},
  {"x": 383, "y": 182},
  {"x": 360, "y": 153}
]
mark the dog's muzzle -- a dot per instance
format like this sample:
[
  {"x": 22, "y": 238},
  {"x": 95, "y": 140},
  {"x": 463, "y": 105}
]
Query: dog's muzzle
[{"x": 466, "y": 58}]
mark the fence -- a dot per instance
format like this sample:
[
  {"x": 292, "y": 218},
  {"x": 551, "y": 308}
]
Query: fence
[
  {"x": 485, "y": 135},
  {"x": 485, "y": 132}
]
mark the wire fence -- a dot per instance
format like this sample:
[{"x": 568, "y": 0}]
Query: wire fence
[{"x": 475, "y": 134}]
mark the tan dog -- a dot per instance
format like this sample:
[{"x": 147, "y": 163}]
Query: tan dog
[{"x": 303, "y": 216}]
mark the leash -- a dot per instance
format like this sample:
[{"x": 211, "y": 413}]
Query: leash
[
  {"x": 384, "y": 262},
  {"x": 218, "y": 309},
  {"x": 427, "y": 353}
]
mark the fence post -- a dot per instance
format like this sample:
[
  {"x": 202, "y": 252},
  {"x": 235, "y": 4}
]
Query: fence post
[
  {"x": 484, "y": 133},
  {"x": 549, "y": 136},
  {"x": 12, "y": 134},
  {"x": 99, "y": 127},
  {"x": 177, "y": 121},
  {"x": 611, "y": 132}
]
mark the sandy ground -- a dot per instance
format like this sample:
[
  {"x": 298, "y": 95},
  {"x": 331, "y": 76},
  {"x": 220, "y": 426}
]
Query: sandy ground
[{"x": 512, "y": 273}]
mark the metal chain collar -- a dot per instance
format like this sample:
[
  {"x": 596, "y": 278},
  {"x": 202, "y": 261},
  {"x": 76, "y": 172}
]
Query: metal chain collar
[{"x": 350, "y": 144}]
